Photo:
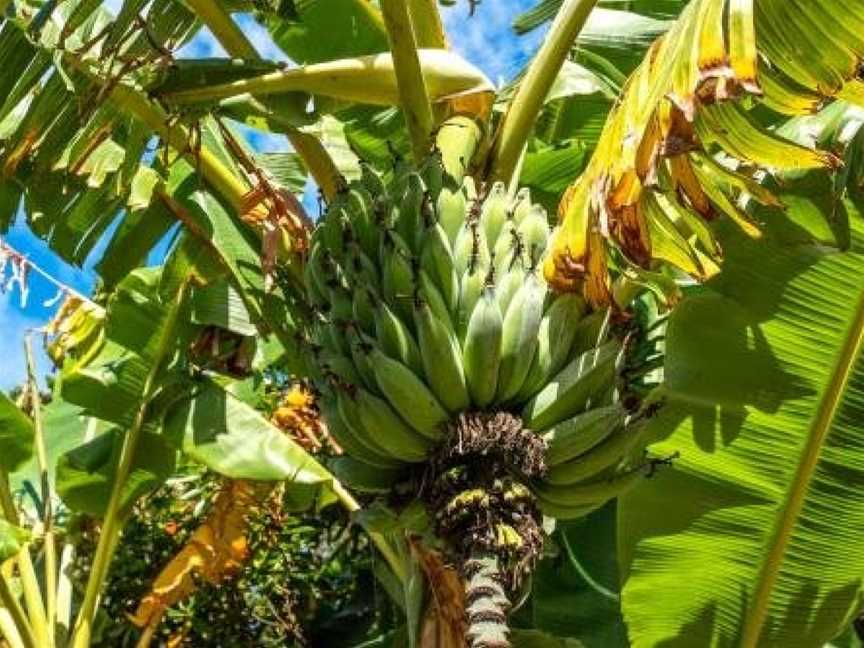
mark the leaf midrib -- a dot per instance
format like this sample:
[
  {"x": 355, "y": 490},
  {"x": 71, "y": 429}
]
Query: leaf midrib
[{"x": 819, "y": 429}]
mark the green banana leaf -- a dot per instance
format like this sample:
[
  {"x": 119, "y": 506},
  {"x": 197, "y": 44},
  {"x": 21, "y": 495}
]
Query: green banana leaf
[
  {"x": 752, "y": 537},
  {"x": 229, "y": 436},
  {"x": 16, "y": 435}
]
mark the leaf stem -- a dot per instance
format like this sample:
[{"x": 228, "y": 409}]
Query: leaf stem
[
  {"x": 112, "y": 522},
  {"x": 48, "y": 516},
  {"x": 413, "y": 96},
  {"x": 428, "y": 28},
  {"x": 518, "y": 121},
  {"x": 226, "y": 31},
  {"x": 10, "y": 602}
]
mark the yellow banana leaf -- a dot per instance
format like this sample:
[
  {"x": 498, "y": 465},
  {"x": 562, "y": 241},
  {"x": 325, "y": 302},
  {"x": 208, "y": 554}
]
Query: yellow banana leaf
[{"x": 684, "y": 104}]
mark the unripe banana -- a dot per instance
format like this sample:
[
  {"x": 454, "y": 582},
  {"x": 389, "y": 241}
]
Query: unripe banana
[
  {"x": 451, "y": 208},
  {"x": 364, "y": 477},
  {"x": 519, "y": 339},
  {"x": 481, "y": 355},
  {"x": 363, "y": 270},
  {"x": 471, "y": 250},
  {"x": 575, "y": 436},
  {"x": 340, "y": 365},
  {"x": 395, "y": 338},
  {"x": 554, "y": 341},
  {"x": 408, "y": 395},
  {"x": 364, "y": 310},
  {"x": 521, "y": 205},
  {"x": 508, "y": 250},
  {"x": 436, "y": 258},
  {"x": 429, "y": 293},
  {"x": 586, "y": 377},
  {"x": 366, "y": 232},
  {"x": 409, "y": 222},
  {"x": 349, "y": 443},
  {"x": 471, "y": 287},
  {"x": 507, "y": 285},
  {"x": 359, "y": 356},
  {"x": 349, "y": 414},
  {"x": 442, "y": 360},
  {"x": 534, "y": 233},
  {"x": 397, "y": 281},
  {"x": 609, "y": 453},
  {"x": 595, "y": 492},
  {"x": 372, "y": 182},
  {"x": 493, "y": 214},
  {"x": 388, "y": 429}
]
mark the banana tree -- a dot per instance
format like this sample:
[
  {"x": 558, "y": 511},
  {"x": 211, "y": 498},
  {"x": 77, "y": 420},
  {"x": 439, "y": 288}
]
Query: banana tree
[{"x": 482, "y": 369}]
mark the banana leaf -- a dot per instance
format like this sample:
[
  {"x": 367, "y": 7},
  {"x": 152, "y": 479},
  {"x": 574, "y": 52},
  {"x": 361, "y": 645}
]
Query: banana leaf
[{"x": 752, "y": 537}]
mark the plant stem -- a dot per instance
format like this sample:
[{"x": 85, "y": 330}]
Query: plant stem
[
  {"x": 518, "y": 121},
  {"x": 64, "y": 592},
  {"x": 409, "y": 77},
  {"x": 352, "y": 506},
  {"x": 426, "y": 19},
  {"x": 112, "y": 522},
  {"x": 48, "y": 516},
  {"x": 32, "y": 597},
  {"x": 10, "y": 602},
  {"x": 226, "y": 31}
]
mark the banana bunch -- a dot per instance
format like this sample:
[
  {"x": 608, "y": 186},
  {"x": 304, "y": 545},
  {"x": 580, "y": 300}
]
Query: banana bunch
[{"x": 430, "y": 303}]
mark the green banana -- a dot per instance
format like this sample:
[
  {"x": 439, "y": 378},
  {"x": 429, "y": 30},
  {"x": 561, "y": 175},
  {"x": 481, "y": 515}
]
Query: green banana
[
  {"x": 364, "y": 477},
  {"x": 508, "y": 250},
  {"x": 436, "y": 258},
  {"x": 519, "y": 338},
  {"x": 429, "y": 293},
  {"x": 349, "y": 415},
  {"x": 388, "y": 429},
  {"x": 575, "y": 436},
  {"x": 442, "y": 360},
  {"x": 611, "y": 452},
  {"x": 470, "y": 290},
  {"x": 395, "y": 338},
  {"x": 554, "y": 341},
  {"x": 521, "y": 205},
  {"x": 367, "y": 234},
  {"x": 586, "y": 377},
  {"x": 481, "y": 354},
  {"x": 566, "y": 512},
  {"x": 359, "y": 351},
  {"x": 340, "y": 365},
  {"x": 363, "y": 310},
  {"x": 397, "y": 282},
  {"x": 349, "y": 443},
  {"x": 508, "y": 285},
  {"x": 451, "y": 208},
  {"x": 534, "y": 233},
  {"x": 594, "y": 492},
  {"x": 493, "y": 214},
  {"x": 408, "y": 395},
  {"x": 409, "y": 222}
]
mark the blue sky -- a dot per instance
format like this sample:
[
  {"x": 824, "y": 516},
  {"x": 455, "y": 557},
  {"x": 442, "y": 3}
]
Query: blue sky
[{"x": 486, "y": 40}]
